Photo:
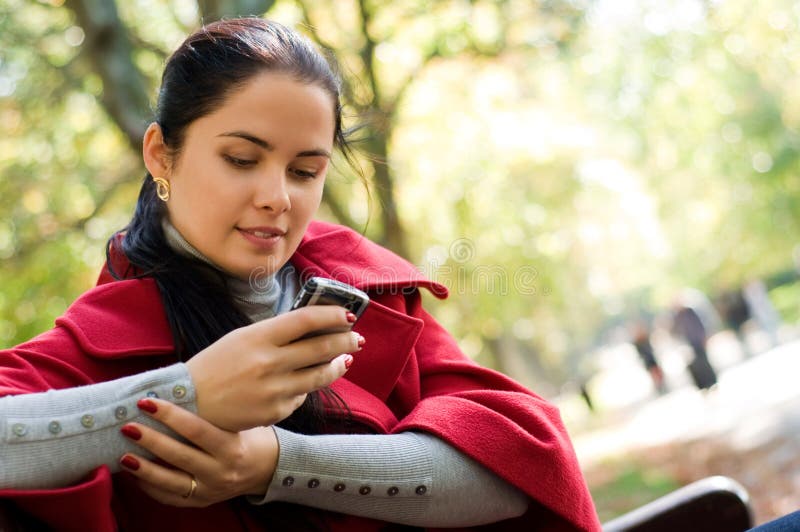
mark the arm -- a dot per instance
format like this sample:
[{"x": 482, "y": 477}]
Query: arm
[
  {"x": 53, "y": 439},
  {"x": 409, "y": 478},
  {"x": 119, "y": 330},
  {"x": 510, "y": 430}
]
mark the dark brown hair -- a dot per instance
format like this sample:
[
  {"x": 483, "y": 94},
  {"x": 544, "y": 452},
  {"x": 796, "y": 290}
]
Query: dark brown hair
[{"x": 223, "y": 56}]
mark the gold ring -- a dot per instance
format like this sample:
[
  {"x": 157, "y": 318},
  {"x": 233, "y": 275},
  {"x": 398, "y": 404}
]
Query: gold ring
[{"x": 191, "y": 490}]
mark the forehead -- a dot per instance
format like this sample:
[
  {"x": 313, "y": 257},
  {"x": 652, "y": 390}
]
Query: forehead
[{"x": 279, "y": 107}]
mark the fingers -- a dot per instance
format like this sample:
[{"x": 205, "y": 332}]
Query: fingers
[
  {"x": 207, "y": 438},
  {"x": 194, "y": 478},
  {"x": 318, "y": 377},
  {"x": 322, "y": 349},
  {"x": 169, "y": 497},
  {"x": 286, "y": 328},
  {"x": 168, "y": 486}
]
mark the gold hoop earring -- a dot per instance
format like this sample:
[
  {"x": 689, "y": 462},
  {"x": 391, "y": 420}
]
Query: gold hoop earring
[{"x": 162, "y": 188}]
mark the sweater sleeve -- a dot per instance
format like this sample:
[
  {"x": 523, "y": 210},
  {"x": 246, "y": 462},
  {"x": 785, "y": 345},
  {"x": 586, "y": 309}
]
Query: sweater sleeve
[
  {"x": 53, "y": 439},
  {"x": 409, "y": 478}
]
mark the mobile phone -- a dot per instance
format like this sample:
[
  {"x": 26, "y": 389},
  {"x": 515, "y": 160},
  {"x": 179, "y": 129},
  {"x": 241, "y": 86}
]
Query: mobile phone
[{"x": 322, "y": 291}]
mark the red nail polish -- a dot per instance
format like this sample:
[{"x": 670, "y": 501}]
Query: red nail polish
[
  {"x": 147, "y": 405},
  {"x": 129, "y": 462},
  {"x": 351, "y": 317},
  {"x": 361, "y": 341},
  {"x": 348, "y": 361},
  {"x": 131, "y": 432}
]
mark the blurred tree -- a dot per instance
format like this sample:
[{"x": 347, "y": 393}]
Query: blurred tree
[
  {"x": 386, "y": 46},
  {"x": 550, "y": 161},
  {"x": 725, "y": 167}
]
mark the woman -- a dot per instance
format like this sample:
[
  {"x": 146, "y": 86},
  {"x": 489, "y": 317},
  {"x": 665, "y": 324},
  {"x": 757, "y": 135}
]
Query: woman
[{"x": 183, "y": 375}]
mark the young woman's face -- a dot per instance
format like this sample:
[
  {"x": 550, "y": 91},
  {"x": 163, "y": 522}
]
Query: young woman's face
[{"x": 250, "y": 175}]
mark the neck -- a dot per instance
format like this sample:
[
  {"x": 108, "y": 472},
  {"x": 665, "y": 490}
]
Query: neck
[{"x": 260, "y": 297}]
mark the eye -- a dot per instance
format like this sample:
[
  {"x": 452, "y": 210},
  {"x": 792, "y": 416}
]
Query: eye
[
  {"x": 239, "y": 163},
  {"x": 303, "y": 174}
]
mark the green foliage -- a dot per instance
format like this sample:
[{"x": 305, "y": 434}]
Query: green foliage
[
  {"x": 786, "y": 299},
  {"x": 60, "y": 157}
]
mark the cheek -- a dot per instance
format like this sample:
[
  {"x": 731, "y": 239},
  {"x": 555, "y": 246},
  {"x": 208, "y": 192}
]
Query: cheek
[
  {"x": 307, "y": 197},
  {"x": 205, "y": 181},
  {"x": 198, "y": 204}
]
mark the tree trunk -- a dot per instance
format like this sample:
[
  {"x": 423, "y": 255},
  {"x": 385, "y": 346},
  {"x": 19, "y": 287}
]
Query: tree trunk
[
  {"x": 393, "y": 233},
  {"x": 110, "y": 52}
]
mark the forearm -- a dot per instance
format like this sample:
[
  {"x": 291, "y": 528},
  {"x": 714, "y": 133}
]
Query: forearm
[
  {"x": 53, "y": 439},
  {"x": 409, "y": 478}
]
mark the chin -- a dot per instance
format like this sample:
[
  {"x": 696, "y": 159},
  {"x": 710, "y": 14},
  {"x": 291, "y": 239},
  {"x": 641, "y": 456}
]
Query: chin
[{"x": 260, "y": 269}]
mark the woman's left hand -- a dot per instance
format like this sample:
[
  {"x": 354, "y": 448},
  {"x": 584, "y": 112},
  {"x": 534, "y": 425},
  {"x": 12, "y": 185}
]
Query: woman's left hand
[{"x": 220, "y": 466}]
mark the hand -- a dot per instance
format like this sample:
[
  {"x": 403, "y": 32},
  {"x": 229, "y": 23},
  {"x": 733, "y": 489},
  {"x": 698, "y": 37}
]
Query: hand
[
  {"x": 258, "y": 375},
  {"x": 222, "y": 464}
]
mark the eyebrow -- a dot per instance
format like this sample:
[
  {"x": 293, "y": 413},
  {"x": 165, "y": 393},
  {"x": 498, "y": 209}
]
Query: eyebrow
[{"x": 317, "y": 152}]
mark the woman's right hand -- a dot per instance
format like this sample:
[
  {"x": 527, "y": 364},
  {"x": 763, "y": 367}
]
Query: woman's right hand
[{"x": 259, "y": 374}]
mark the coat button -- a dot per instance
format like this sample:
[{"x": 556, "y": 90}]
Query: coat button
[
  {"x": 288, "y": 481},
  {"x": 364, "y": 490},
  {"x": 339, "y": 487},
  {"x": 179, "y": 391},
  {"x": 394, "y": 490},
  {"x": 313, "y": 483},
  {"x": 421, "y": 490},
  {"x": 19, "y": 429},
  {"x": 54, "y": 427},
  {"x": 120, "y": 412},
  {"x": 87, "y": 421}
]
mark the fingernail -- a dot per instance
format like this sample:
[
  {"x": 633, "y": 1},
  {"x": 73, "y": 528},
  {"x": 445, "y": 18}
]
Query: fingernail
[
  {"x": 147, "y": 405},
  {"x": 129, "y": 462},
  {"x": 348, "y": 361},
  {"x": 351, "y": 317},
  {"x": 361, "y": 341},
  {"x": 131, "y": 432}
]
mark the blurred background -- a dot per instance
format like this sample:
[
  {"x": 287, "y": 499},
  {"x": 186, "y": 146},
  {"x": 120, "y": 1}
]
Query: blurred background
[{"x": 578, "y": 173}]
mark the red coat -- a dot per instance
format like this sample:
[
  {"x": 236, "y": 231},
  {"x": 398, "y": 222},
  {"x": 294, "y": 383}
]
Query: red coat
[{"x": 409, "y": 376}]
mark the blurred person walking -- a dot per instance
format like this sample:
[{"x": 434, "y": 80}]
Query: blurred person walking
[
  {"x": 687, "y": 324},
  {"x": 640, "y": 333}
]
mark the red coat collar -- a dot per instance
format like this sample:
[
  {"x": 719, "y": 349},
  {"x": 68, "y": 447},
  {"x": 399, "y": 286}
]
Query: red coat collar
[
  {"x": 340, "y": 253},
  {"x": 120, "y": 319},
  {"x": 336, "y": 252}
]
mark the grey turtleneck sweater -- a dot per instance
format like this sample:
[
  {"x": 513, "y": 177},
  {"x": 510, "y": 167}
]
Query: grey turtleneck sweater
[{"x": 52, "y": 439}]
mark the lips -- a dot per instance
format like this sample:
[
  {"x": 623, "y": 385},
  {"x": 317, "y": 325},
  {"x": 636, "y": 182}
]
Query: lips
[
  {"x": 263, "y": 232},
  {"x": 265, "y": 239}
]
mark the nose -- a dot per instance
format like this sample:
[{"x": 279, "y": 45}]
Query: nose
[{"x": 271, "y": 192}]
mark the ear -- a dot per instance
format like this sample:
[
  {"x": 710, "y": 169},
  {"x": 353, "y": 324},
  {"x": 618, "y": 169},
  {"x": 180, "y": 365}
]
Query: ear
[{"x": 154, "y": 151}]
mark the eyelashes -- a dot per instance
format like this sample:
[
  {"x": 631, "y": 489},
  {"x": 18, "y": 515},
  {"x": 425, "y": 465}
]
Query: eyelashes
[
  {"x": 304, "y": 174},
  {"x": 240, "y": 163}
]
